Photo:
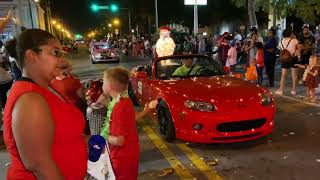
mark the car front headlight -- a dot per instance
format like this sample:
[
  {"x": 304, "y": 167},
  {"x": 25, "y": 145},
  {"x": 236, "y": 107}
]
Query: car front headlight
[
  {"x": 97, "y": 56},
  {"x": 200, "y": 106},
  {"x": 265, "y": 99}
]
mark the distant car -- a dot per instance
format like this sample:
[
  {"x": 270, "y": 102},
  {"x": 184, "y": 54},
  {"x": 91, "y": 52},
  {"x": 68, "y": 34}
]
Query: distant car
[
  {"x": 67, "y": 48},
  {"x": 204, "y": 104},
  {"x": 102, "y": 52}
]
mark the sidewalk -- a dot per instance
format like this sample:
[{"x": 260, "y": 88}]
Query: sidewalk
[{"x": 300, "y": 88}]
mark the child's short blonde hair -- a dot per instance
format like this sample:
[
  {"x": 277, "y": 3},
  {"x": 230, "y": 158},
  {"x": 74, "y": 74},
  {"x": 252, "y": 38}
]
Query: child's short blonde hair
[{"x": 119, "y": 77}]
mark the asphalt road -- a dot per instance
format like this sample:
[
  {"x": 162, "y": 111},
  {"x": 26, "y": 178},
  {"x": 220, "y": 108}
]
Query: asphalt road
[{"x": 291, "y": 152}]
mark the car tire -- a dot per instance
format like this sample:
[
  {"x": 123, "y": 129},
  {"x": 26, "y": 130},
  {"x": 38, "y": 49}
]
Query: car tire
[
  {"x": 132, "y": 95},
  {"x": 166, "y": 125}
]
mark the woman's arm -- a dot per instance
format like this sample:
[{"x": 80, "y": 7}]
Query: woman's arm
[
  {"x": 300, "y": 66},
  {"x": 33, "y": 131},
  {"x": 5, "y": 21}
]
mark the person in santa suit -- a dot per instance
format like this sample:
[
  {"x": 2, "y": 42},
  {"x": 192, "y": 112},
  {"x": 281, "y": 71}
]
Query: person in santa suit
[{"x": 165, "y": 45}]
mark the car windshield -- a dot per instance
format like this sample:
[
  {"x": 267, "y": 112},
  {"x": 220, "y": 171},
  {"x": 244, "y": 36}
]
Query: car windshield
[
  {"x": 187, "y": 67},
  {"x": 101, "y": 47}
]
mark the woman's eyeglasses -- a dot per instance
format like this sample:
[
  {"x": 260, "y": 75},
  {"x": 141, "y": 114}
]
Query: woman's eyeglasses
[{"x": 56, "y": 53}]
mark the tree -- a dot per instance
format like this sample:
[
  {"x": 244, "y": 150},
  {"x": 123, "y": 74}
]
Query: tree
[
  {"x": 308, "y": 11},
  {"x": 251, "y": 6}
]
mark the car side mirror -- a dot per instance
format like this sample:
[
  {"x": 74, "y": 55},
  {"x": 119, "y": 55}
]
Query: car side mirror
[{"x": 142, "y": 75}]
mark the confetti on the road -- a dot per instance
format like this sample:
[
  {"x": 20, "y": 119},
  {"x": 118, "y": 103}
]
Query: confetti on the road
[
  {"x": 201, "y": 158},
  {"x": 292, "y": 133},
  {"x": 212, "y": 162},
  {"x": 285, "y": 135},
  {"x": 318, "y": 113},
  {"x": 318, "y": 160},
  {"x": 285, "y": 157},
  {"x": 310, "y": 114},
  {"x": 187, "y": 143},
  {"x": 166, "y": 172}
]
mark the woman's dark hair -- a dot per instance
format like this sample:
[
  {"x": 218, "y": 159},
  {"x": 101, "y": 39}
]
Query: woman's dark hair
[
  {"x": 259, "y": 45},
  {"x": 273, "y": 31},
  {"x": 31, "y": 39},
  {"x": 287, "y": 32},
  {"x": 10, "y": 47}
]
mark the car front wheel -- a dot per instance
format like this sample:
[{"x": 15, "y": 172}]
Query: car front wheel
[{"x": 166, "y": 126}]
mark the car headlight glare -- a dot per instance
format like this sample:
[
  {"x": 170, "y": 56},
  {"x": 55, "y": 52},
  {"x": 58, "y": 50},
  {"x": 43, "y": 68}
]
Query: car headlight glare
[
  {"x": 266, "y": 99},
  {"x": 97, "y": 56},
  {"x": 200, "y": 106}
]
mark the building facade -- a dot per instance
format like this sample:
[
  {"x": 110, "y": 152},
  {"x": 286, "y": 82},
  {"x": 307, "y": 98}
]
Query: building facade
[{"x": 26, "y": 13}]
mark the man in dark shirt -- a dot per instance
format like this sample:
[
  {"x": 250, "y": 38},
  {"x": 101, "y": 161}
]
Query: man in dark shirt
[
  {"x": 307, "y": 43},
  {"x": 270, "y": 55}
]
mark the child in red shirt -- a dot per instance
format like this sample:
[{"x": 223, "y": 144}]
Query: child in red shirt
[{"x": 123, "y": 135}]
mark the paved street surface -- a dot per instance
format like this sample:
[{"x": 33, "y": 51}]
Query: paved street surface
[{"x": 292, "y": 152}]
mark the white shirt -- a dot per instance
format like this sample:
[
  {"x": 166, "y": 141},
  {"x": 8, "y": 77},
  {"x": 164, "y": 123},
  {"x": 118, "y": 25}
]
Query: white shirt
[
  {"x": 292, "y": 47},
  {"x": 238, "y": 37},
  {"x": 232, "y": 57},
  {"x": 11, "y": 59}
]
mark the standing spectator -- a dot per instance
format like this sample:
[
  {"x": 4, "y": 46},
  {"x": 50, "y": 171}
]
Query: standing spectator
[
  {"x": 245, "y": 55},
  {"x": 147, "y": 46},
  {"x": 232, "y": 56},
  {"x": 307, "y": 43},
  {"x": 5, "y": 84},
  {"x": 10, "y": 48},
  {"x": 223, "y": 48},
  {"x": 260, "y": 62},
  {"x": 201, "y": 45},
  {"x": 290, "y": 44},
  {"x": 270, "y": 56},
  {"x": 238, "y": 36},
  {"x": 37, "y": 116}
]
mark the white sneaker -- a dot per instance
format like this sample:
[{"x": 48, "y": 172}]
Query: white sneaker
[{"x": 279, "y": 92}]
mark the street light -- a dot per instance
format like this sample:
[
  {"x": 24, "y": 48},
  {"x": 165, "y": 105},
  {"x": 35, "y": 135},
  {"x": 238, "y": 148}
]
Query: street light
[
  {"x": 54, "y": 22},
  {"x": 95, "y": 7},
  {"x": 110, "y": 25},
  {"x": 58, "y": 26},
  {"x": 114, "y": 8},
  {"x": 116, "y": 22}
]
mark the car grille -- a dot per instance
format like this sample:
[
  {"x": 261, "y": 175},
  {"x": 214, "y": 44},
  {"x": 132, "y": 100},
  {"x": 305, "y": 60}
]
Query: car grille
[
  {"x": 241, "y": 125},
  {"x": 236, "y": 137}
]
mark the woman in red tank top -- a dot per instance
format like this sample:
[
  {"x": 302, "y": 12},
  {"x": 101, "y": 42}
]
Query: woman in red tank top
[{"x": 42, "y": 131}]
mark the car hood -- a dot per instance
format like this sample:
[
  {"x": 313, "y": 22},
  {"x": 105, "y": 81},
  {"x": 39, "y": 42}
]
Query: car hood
[{"x": 208, "y": 88}]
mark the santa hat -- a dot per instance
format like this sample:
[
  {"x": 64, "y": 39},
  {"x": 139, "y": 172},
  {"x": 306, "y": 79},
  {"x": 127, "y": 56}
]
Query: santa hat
[{"x": 165, "y": 28}]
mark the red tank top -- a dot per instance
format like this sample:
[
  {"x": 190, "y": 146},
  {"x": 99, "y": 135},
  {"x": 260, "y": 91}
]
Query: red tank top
[{"x": 68, "y": 149}]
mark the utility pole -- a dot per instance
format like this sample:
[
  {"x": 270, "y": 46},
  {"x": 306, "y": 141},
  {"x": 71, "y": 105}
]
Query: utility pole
[
  {"x": 196, "y": 22},
  {"x": 30, "y": 10},
  {"x": 157, "y": 18}
]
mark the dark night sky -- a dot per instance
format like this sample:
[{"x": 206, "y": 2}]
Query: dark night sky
[{"x": 77, "y": 16}]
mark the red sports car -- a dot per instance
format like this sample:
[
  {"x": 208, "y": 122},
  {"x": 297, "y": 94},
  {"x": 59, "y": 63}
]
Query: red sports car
[{"x": 199, "y": 103}]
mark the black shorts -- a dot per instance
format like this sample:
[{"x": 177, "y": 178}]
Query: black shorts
[{"x": 291, "y": 64}]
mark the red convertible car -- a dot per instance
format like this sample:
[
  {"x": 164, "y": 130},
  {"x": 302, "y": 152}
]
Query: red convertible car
[{"x": 199, "y": 103}]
